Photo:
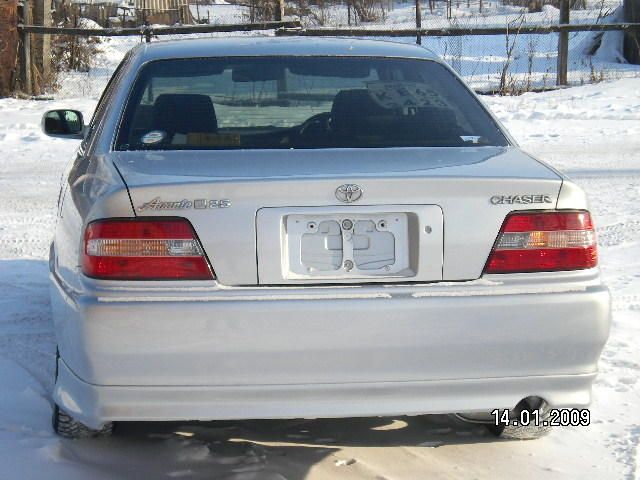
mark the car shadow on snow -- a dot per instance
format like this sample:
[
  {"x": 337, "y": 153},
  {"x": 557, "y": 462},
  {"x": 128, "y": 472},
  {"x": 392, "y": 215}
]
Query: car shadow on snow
[{"x": 272, "y": 449}]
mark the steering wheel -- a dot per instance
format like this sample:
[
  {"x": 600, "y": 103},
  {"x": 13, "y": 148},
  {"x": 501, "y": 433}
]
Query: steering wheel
[{"x": 321, "y": 120}]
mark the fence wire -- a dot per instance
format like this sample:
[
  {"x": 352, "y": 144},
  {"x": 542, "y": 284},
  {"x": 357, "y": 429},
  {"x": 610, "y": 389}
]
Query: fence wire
[{"x": 508, "y": 63}]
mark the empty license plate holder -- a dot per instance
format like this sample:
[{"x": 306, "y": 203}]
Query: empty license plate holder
[{"x": 347, "y": 245}]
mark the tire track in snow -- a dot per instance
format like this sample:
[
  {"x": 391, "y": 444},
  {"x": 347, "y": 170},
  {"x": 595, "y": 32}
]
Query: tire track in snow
[{"x": 618, "y": 233}]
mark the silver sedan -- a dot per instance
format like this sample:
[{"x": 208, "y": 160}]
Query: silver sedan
[{"x": 282, "y": 228}]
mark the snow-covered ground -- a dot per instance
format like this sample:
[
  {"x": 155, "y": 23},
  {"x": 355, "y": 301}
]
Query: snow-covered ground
[{"x": 591, "y": 132}]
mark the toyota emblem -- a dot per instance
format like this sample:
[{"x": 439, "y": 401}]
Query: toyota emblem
[{"x": 348, "y": 192}]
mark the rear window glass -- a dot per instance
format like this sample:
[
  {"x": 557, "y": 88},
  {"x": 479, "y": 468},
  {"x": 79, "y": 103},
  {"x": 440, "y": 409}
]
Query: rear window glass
[{"x": 301, "y": 102}]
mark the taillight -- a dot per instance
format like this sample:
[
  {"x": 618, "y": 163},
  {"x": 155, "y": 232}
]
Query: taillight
[
  {"x": 143, "y": 249},
  {"x": 544, "y": 242}
]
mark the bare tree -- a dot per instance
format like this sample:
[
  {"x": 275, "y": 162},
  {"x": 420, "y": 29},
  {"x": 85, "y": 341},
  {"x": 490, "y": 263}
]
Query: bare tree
[
  {"x": 367, "y": 10},
  {"x": 507, "y": 80}
]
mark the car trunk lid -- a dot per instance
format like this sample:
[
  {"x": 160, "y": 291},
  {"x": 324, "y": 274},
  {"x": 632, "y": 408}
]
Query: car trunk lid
[{"x": 448, "y": 204}]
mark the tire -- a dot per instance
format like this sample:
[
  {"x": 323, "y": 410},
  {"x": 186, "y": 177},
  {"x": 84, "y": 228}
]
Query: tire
[
  {"x": 525, "y": 432},
  {"x": 67, "y": 426}
]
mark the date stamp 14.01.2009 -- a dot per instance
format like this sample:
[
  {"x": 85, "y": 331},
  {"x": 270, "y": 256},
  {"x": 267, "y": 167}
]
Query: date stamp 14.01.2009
[{"x": 555, "y": 417}]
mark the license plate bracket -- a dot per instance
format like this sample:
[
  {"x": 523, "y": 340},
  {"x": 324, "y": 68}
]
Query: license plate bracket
[{"x": 347, "y": 245}]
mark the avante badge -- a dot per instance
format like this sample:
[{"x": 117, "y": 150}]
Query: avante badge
[{"x": 200, "y": 203}]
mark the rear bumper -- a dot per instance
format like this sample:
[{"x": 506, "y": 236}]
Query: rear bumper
[
  {"x": 225, "y": 353},
  {"x": 94, "y": 405}
]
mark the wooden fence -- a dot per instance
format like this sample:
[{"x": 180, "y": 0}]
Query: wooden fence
[
  {"x": 8, "y": 44},
  {"x": 294, "y": 28}
]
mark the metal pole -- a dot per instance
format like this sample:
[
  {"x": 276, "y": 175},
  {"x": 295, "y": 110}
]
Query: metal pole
[
  {"x": 563, "y": 45},
  {"x": 418, "y": 23}
]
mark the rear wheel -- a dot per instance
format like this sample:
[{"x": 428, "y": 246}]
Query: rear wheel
[
  {"x": 525, "y": 432},
  {"x": 67, "y": 426}
]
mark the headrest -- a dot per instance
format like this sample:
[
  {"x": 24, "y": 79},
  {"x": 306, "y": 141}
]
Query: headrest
[
  {"x": 184, "y": 113},
  {"x": 349, "y": 105}
]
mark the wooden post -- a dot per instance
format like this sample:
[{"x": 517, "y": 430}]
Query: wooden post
[
  {"x": 41, "y": 45},
  {"x": 418, "y": 23},
  {"x": 26, "y": 82},
  {"x": 563, "y": 45},
  {"x": 279, "y": 10},
  {"x": 632, "y": 37}
]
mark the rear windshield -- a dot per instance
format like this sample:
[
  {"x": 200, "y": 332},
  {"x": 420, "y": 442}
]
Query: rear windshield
[{"x": 301, "y": 102}]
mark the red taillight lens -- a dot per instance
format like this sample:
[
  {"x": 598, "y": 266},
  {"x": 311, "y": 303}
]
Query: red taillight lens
[
  {"x": 143, "y": 249},
  {"x": 544, "y": 242}
]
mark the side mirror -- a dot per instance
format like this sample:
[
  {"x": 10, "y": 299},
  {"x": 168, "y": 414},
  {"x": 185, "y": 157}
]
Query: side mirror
[{"x": 63, "y": 124}]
